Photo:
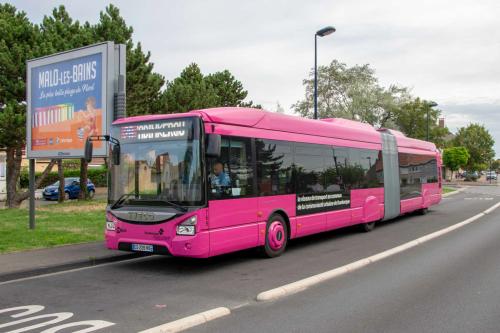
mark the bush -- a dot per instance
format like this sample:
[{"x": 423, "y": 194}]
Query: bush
[{"x": 97, "y": 176}]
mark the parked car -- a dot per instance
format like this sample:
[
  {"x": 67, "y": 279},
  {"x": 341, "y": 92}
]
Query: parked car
[
  {"x": 471, "y": 176},
  {"x": 71, "y": 189},
  {"x": 491, "y": 175}
]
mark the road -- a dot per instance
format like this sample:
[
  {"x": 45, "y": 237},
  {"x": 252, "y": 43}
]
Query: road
[{"x": 447, "y": 284}]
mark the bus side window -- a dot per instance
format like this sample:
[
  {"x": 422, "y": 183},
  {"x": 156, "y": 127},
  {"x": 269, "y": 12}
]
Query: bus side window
[
  {"x": 236, "y": 162},
  {"x": 274, "y": 167}
]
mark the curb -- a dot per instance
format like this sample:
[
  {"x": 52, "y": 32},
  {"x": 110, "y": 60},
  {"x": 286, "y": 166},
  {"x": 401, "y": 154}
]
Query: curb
[
  {"x": 189, "y": 322},
  {"x": 5, "y": 277},
  {"x": 295, "y": 287}
]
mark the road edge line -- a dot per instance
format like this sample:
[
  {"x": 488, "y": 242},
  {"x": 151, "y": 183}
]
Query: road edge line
[
  {"x": 190, "y": 321},
  {"x": 300, "y": 285}
]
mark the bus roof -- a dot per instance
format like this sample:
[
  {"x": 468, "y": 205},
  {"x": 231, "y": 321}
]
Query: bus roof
[{"x": 260, "y": 119}]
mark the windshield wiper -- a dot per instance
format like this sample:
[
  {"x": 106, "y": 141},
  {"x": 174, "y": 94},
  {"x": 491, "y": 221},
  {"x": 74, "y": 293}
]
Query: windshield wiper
[
  {"x": 121, "y": 199},
  {"x": 176, "y": 205},
  {"x": 124, "y": 197}
]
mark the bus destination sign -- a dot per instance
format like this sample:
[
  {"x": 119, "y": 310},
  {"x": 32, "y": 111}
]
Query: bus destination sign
[{"x": 155, "y": 131}]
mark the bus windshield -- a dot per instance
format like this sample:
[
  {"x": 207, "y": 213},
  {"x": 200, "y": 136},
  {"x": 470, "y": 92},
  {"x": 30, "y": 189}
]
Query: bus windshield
[{"x": 158, "y": 173}]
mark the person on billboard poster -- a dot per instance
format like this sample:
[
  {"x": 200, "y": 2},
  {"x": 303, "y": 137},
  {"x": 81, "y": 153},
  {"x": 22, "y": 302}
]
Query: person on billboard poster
[
  {"x": 88, "y": 118},
  {"x": 90, "y": 123}
]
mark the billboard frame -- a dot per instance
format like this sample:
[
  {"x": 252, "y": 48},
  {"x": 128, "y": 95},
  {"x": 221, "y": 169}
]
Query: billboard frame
[{"x": 107, "y": 51}]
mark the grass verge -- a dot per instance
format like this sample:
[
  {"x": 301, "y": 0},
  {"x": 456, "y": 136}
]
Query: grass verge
[
  {"x": 448, "y": 189},
  {"x": 58, "y": 224}
]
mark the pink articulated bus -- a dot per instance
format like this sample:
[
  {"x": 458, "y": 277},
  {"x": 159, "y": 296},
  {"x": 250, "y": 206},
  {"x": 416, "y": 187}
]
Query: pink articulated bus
[{"x": 208, "y": 182}]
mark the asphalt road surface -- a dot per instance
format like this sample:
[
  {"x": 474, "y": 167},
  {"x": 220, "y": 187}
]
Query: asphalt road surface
[{"x": 446, "y": 285}]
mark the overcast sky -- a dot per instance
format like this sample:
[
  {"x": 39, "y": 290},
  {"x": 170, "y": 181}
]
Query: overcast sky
[{"x": 445, "y": 50}]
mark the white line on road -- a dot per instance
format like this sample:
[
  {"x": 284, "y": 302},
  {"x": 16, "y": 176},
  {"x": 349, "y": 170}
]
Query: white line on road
[
  {"x": 188, "y": 322},
  {"x": 297, "y": 286},
  {"x": 71, "y": 270}
]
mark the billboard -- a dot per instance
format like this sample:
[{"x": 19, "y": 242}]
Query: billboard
[{"x": 69, "y": 97}]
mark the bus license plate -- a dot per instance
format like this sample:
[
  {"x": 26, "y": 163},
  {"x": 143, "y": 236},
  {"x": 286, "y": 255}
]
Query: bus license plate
[{"x": 142, "y": 247}]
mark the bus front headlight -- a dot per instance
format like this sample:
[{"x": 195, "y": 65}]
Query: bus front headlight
[
  {"x": 110, "y": 224},
  {"x": 188, "y": 227}
]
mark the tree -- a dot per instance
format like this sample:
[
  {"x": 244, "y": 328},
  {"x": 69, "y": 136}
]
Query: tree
[
  {"x": 144, "y": 86},
  {"x": 411, "y": 119},
  {"x": 190, "y": 91},
  {"x": 20, "y": 41},
  {"x": 350, "y": 93},
  {"x": 479, "y": 143},
  {"x": 354, "y": 93},
  {"x": 495, "y": 165},
  {"x": 455, "y": 157},
  {"x": 229, "y": 91}
]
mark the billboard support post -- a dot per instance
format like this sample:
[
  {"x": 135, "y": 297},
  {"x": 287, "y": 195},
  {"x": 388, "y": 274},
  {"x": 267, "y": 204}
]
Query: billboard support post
[{"x": 32, "y": 193}]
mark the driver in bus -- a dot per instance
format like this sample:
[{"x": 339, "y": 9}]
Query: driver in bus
[{"x": 219, "y": 178}]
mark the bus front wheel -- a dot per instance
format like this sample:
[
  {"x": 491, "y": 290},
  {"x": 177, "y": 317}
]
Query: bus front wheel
[{"x": 276, "y": 236}]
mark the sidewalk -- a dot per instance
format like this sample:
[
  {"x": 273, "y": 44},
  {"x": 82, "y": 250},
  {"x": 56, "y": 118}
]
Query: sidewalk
[{"x": 36, "y": 262}]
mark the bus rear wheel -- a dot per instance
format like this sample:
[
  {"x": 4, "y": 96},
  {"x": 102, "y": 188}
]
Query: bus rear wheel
[
  {"x": 276, "y": 236},
  {"x": 367, "y": 227}
]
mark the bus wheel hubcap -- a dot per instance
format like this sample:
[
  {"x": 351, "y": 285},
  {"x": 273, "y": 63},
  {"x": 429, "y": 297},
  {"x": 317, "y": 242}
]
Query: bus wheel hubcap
[{"x": 276, "y": 235}]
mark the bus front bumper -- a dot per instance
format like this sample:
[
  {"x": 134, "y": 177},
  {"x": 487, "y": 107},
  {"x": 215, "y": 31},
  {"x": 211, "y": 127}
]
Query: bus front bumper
[{"x": 196, "y": 246}]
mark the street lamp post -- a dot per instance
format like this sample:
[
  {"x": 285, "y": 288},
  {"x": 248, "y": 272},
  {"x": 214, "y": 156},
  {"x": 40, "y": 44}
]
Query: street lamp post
[
  {"x": 431, "y": 104},
  {"x": 321, "y": 33}
]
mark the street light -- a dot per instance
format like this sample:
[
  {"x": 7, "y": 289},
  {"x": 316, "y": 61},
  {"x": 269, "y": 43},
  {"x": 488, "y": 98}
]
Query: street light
[
  {"x": 430, "y": 105},
  {"x": 322, "y": 33}
]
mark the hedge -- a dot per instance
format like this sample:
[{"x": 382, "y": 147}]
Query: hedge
[{"x": 97, "y": 176}]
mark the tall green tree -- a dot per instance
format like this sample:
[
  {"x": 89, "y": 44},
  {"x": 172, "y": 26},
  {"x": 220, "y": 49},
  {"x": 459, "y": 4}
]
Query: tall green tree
[
  {"x": 20, "y": 41},
  {"x": 479, "y": 143},
  {"x": 144, "y": 86},
  {"x": 455, "y": 158},
  {"x": 190, "y": 91},
  {"x": 229, "y": 91},
  {"x": 59, "y": 32}
]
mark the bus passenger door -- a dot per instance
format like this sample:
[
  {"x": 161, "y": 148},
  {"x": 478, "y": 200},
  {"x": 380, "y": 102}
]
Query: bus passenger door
[{"x": 232, "y": 206}]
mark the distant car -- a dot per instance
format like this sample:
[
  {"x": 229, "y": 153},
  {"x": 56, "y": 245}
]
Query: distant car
[
  {"x": 71, "y": 189},
  {"x": 471, "y": 176},
  {"x": 491, "y": 175}
]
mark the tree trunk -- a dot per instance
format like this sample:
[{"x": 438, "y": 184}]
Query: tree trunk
[
  {"x": 14, "y": 158},
  {"x": 13, "y": 168},
  {"x": 83, "y": 180},
  {"x": 60, "y": 172}
]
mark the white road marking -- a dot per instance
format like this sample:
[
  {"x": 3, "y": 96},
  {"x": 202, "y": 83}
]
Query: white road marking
[
  {"x": 189, "y": 322},
  {"x": 295, "y": 287},
  {"x": 71, "y": 271},
  {"x": 29, "y": 309},
  {"x": 93, "y": 325}
]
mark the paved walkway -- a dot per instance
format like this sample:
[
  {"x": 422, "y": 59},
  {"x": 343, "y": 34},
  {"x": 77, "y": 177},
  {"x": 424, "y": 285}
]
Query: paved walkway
[{"x": 34, "y": 262}]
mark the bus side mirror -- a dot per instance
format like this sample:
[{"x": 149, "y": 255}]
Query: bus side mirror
[
  {"x": 88, "y": 150},
  {"x": 213, "y": 145},
  {"x": 115, "y": 155}
]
